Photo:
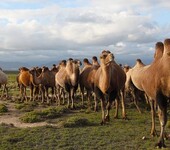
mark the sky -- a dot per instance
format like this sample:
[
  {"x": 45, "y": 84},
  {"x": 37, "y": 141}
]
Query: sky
[{"x": 36, "y": 31}]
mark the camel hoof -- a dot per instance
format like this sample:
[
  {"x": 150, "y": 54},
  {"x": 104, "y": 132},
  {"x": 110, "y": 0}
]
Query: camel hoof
[
  {"x": 160, "y": 145},
  {"x": 102, "y": 123}
]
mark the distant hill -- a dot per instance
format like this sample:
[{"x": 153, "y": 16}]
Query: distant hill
[{"x": 15, "y": 65}]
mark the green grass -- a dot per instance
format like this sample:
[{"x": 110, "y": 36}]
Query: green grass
[
  {"x": 84, "y": 132},
  {"x": 78, "y": 129}
]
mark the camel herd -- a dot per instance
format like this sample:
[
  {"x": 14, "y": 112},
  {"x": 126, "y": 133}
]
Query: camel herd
[{"x": 106, "y": 82}]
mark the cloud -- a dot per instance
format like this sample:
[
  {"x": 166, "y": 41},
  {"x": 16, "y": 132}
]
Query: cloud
[{"x": 75, "y": 29}]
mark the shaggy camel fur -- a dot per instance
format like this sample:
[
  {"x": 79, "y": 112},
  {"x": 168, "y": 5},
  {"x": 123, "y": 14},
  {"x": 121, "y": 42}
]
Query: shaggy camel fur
[
  {"x": 154, "y": 80},
  {"x": 87, "y": 80},
  {"x": 68, "y": 78},
  {"x": 109, "y": 82},
  {"x": 45, "y": 80},
  {"x": 23, "y": 80},
  {"x": 3, "y": 82}
]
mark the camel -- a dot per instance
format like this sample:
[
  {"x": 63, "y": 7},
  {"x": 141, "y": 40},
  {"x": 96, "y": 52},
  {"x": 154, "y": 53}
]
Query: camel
[
  {"x": 23, "y": 80},
  {"x": 68, "y": 77},
  {"x": 109, "y": 82},
  {"x": 131, "y": 89},
  {"x": 45, "y": 80},
  {"x": 87, "y": 80},
  {"x": 154, "y": 80},
  {"x": 60, "y": 89},
  {"x": 3, "y": 82}
]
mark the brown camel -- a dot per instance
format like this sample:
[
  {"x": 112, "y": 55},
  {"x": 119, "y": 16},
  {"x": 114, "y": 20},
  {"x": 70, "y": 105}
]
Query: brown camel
[
  {"x": 109, "y": 82},
  {"x": 23, "y": 80},
  {"x": 154, "y": 80},
  {"x": 87, "y": 80},
  {"x": 45, "y": 80},
  {"x": 3, "y": 83},
  {"x": 68, "y": 77}
]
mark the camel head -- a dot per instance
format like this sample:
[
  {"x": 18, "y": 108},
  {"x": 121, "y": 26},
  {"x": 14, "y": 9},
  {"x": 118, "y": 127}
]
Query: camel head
[
  {"x": 86, "y": 62},
  {"x": 44, "y": 69},
  {"x": 126, "y": 68},
  {"x": 106, "y": 57},
  {"x": 32, "y": 71}
]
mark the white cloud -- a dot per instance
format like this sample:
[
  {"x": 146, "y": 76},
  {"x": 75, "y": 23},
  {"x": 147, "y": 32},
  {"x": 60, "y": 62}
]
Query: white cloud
[{"x": 126, "y": 27}]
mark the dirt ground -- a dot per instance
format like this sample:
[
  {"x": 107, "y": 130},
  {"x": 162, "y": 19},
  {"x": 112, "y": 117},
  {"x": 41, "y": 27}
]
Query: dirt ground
[{"x": 12, "y": 117}]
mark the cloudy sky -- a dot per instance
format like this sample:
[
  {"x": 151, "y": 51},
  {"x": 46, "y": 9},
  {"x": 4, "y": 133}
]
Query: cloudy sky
[{"x": 48, "y": 30}]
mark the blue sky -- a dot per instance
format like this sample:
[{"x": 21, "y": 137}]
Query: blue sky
[{"x": 44, "y": 31}]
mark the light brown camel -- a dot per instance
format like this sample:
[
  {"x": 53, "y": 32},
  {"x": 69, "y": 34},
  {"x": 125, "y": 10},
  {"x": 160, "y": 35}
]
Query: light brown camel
[
  {"x": 3, "y": 83},
  {"x": 68, "y": 78},
  {"x": 130, "y": 89},
  {"x": 45, "y": 80},
  {"x": 23, "y": 80},
  {"x": 154, "y": 80},
  {"x": 87, "y": 80},
  {"x": 60, "y": 90},
  {"x": 109, "y": 82}
]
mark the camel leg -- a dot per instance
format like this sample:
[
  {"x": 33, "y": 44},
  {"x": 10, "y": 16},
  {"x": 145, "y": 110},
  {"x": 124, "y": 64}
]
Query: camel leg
[
  {"x": 162, "y": 113},
  {"x": 72, "y": 98},
  {"x": 117, "y": 106},
  {"x": 134, "y": 95},
  {"x": 82, "y": 94},
  {"x": 103, "y": 110},
  {"x": 108, "y": 107},
  {"x": 122, "y": 96},
  {"x": 95, "y": 103},
  {"x": 25, "y": 94},
  {"x": 69, "y": 99},
  {"x": 63, "y": 92},
  {"x": 31, "y": 92},
  {"x": 88, "y": 99},
  {"x": 153, "y": 130},
  {"x": 43, "y": 93},
  {"x": 3, "y": 90}
]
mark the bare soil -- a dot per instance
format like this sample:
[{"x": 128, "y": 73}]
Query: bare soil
[{"x": 12, "y": 117}]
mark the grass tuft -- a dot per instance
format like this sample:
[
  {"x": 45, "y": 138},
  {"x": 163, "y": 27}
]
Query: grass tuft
[
  {"x": 77, "y": 122},
  {"x": 3, "y": 108}
]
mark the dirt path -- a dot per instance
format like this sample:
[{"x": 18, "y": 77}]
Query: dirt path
[{"x": 13, "y": 115}]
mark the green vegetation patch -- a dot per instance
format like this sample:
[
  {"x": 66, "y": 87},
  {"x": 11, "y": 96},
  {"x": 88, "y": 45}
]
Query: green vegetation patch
[
  {"x": 77, "y": 122},
  {"x": 42, "y": 115},
  {"x": 26, "y": 107},
  {"x": 3, "y": 108}
]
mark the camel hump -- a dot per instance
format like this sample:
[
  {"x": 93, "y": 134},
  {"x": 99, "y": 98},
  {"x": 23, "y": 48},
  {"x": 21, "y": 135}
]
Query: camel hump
[
  {"x": 159, "y": 48},
  {"x": 139, "y": 62},
  {"x": 167, "y": 46}
]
